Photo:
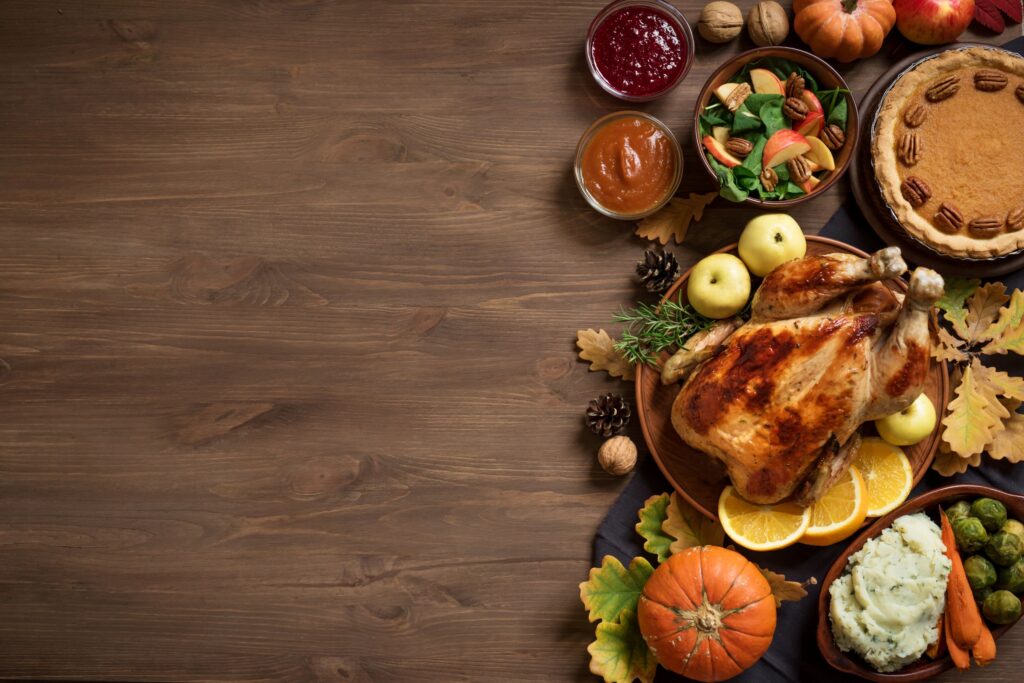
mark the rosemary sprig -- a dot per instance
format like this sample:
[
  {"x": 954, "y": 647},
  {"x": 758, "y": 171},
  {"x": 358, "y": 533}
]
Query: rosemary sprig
[{"x": 652, "y": 329}]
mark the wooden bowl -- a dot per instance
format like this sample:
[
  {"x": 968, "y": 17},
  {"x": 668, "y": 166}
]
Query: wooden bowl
[
  {"x": 827, "y": 77},
  {"x": 923, "y": 668},
  {"x": 698, "y": 477}
]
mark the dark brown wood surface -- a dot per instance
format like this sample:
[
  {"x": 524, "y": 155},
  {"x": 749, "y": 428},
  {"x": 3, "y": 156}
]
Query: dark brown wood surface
[{"x": 288, "y": 295}]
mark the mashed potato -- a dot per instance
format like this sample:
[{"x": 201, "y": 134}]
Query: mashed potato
[{"x": 887, "y": 603}]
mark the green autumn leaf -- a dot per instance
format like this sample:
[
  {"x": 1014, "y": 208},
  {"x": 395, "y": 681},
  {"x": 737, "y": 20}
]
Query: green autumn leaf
[
  {"x": 619, "y": 653},
  {"x": 1007, "y": 332},
  {"x": 612, "y": 588},
  {"x": 652, "y": 514},
  {"x": 958, "y": 289},
  {"x": 688, "y": 527}
]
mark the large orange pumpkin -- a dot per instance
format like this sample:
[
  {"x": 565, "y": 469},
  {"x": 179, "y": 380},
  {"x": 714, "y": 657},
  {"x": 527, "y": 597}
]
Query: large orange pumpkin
[
  {"x": 707, "y": 613},
  {"x": 844, "y": 29}
]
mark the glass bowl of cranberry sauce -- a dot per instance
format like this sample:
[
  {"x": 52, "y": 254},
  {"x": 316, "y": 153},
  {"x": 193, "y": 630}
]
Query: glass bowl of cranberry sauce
[{"x": 638, "y": 50}]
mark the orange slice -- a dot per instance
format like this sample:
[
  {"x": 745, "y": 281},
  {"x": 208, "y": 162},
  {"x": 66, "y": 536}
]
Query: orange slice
[
  {"x": 840, "y": 512},
  {"x": 761, "y": 527}
]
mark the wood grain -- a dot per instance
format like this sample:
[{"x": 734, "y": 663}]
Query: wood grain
[{"x": 289, "y": 292}]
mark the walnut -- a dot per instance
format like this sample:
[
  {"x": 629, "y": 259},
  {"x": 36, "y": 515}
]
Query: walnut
[
  {"x": 767, "y": 23},
  {"x": 617, "y": 455},
  {"x": 720, "y": 22}
]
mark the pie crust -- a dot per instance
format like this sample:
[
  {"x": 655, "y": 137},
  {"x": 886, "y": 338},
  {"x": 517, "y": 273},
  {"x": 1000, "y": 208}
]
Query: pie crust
[{"x": 965, "y": 142}]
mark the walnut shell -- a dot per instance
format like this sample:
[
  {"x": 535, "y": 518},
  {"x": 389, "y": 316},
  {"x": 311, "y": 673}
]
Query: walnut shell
[
  {"x": 720, "y": 22},
  {"x": 617, "y": 455},
  {"x": 768, "y": 23}
]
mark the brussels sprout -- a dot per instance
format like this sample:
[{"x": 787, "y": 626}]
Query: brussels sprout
[
  {"x": 958, "y": 510},
  {"x": 991, "y": 513},
  {"x": 970, "y": 534},
  {"x": 982, "y": 594},
  {"x": 1014, "y": 527},
  {"x": 1003, "y": 548},
  {"x": 1012, "y": 578},
  {"x": 1001, "y": 607},
  {"x": 980, "y": 572}
]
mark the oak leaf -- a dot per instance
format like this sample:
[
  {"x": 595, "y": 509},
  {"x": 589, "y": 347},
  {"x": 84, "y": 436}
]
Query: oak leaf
[
  {"x": 952, "y": 301},
  {"x": 948, "y": 347},
  {"x": 688, "y": 527},
  {"x": 982, "y": 309},
  {"x": 998, "y": 383},
  {"x": 972, "y": 420},
  {"x": 599, "y": 349},
  {"x": 1007, "y": 332},
  {"x": 1009, "y": 443},
  {"x": 673, "y": 220},
  {"x": 947, "y": 463},
  {"x": 612, "y": 588},
  {"x": 652, "y": 515},
  {"x": 619, "y": 653},
  {"x": 782, "y": 589}
]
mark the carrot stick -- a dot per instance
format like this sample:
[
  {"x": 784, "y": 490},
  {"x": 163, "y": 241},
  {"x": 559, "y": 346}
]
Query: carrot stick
[
  {"x": 960, "y": 658},
  {"x": 964, "y": 623},
  {"x": 938, "y": 648},
  {"x": 985, "y": 649}
]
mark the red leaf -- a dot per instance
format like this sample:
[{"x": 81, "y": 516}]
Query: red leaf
[
  {"x": 986, "y": 14},
  {"x": 1011, "y": 8}
]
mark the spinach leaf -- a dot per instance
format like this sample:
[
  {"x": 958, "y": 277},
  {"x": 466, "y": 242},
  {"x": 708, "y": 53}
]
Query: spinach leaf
[
  {"x": 757, "y": 100},
  {"x": 746, "y": 178},
  {"x": 728, "y": 189},
  {"x": 753, "y": 161},
  {"x": 745, "y": 120},
  {"x": 774, "y": 120},
  {"x": 837, "y": 114}
]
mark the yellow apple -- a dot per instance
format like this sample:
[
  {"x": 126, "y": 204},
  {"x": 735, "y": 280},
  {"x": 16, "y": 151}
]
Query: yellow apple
[
  {"x": 910, "y": 425},
  {"x": 770, "y": 240},
  {"x": 719, "y": 286}
]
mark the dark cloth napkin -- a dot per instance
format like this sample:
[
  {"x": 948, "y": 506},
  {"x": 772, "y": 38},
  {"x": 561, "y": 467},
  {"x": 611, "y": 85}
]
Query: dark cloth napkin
[{"x": 794, "y": 655}]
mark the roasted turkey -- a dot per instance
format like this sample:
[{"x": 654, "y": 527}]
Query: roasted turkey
[{"x": 778, "y": 399}]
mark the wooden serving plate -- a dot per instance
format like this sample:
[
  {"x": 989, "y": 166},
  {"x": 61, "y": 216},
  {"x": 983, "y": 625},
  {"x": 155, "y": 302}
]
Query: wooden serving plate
[
  {"x": 698, "y": 477},
  {"x": 923, "y": 668},
  {"x": 873, "y": 206}
]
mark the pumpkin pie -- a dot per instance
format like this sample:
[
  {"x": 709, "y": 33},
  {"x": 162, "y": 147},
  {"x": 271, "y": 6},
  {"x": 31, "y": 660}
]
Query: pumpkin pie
[{"x": 948, "y": 152}]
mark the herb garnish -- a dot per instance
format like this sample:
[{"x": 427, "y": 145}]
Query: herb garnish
[{"x": 652, "y": 329}]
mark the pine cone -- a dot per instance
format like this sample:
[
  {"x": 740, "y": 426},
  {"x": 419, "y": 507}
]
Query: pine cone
[
  {"x": 608, "y": 415},
  {"x": 658, "y": 270}
]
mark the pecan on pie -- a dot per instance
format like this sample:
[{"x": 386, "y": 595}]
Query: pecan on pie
[{"x": 948, "y": 152}]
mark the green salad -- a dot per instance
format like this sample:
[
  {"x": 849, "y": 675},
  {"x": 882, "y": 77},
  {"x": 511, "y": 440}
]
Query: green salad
[{"x": 757, "y": 119}]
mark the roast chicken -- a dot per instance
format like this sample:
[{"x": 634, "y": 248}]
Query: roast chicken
[{"x": 778, "y": 399}]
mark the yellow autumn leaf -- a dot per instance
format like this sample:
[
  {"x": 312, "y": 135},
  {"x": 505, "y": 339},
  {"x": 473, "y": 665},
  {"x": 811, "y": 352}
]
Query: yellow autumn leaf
[
  {"x": 948, "y": 347},
  {"x": 673, "y": 220},
  {"x": 982, "y": 309},
  {"x": 1007, "y": 332},
  {"x": 1009, "y": 443},
  {"x": 998, "y": 383},
  {"x": 619, "y": 653},
  {"x": 972, "y": 420},
  {"x": 947, "y": 463},
  {"x": 957, "y": 290},
  {"x": 782, "y": 589},
  {"x": 688, "y": 527},
  {"x": 599, "y": 349}
]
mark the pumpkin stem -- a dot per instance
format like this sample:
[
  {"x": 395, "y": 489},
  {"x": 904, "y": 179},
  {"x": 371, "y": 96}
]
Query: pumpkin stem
[
  {"x": 850, "y": 5},
  {"x": 708, "y": 619}
]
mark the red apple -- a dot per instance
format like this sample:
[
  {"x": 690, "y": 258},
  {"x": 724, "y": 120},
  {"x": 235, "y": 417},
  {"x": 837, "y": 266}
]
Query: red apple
[
  {"x": 720, "y": 133},
  {"x": 723, "y": 91},
  {"x": 765, "y": 82},
  {"x": 933, "y": 22},
  {"x": 820, "y": 155},
  {"x": 812, "y": 102},
  {"x": 808, "y": 185},
  {"x": 810, "y": 124},
  {"x": 719, "y": 151},
  {"x": 783, "y": 146}
]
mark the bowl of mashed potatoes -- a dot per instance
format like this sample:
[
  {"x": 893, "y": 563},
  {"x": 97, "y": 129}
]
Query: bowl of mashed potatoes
[{"x": 881, "y": 600}]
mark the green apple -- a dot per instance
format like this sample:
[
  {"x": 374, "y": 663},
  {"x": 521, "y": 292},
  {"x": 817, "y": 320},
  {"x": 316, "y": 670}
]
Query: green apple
[
  {"x": 910, "y": 425},
  {"x": 770, "y": 240},
  {"x": 719, "y": 286}
]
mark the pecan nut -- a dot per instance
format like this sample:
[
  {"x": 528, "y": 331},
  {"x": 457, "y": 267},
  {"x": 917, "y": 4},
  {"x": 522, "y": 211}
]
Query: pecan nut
[
  {"x": 1015, "y": 219},
  {"x": 740, "y": 93},
  {"x": 739, "y": 147},
  {"x": 1020, "y": 92},
  {"x": 915, "y": 115},
  {"x": 833, "y": 136},
  {"x": 769, "y": 178},
  {"x": 990, "y": 80},
  {"x": 985, "y": 226},
  {"x": 799, "y": 169},
  {"x": 915, "y": 191},
  {"x": 910, "y": 147},
  {"x": 795, "y": 85},
  {"x": 943, "y": 88},
  {"x": 794, "y": 108},
  {"x": 948, "y": 218}
]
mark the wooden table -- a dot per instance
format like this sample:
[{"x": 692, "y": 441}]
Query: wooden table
[{"x": 288, "y": 293}]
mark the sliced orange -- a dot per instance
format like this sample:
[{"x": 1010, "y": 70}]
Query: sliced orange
[
  {"x": 840, "y": 512},
  {"x": 887, "y": 473},
  {"x": 761, "y": 527}
]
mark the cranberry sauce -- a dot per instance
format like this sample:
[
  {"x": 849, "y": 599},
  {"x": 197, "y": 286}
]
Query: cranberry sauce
[{"x": 639, "y": 51}]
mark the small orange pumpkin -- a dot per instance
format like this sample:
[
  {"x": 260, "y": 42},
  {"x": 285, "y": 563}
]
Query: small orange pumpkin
[
  {"x": 844, "y": 29},
  {"x": 707, "y": 613}
]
